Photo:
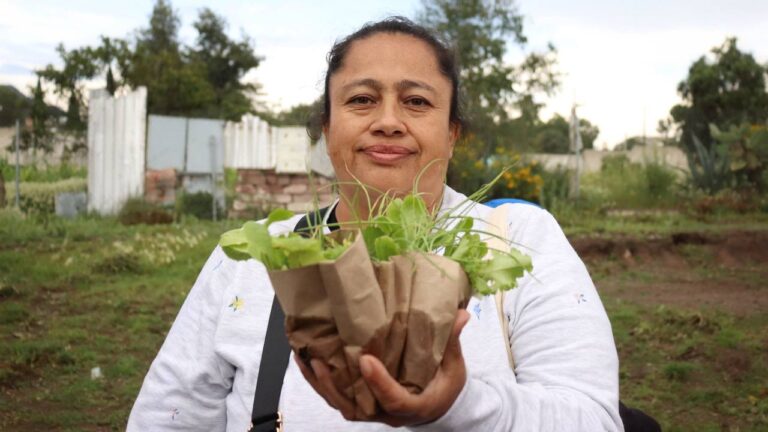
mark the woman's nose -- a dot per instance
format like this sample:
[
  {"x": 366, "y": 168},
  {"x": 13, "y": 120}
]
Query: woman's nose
[{"x": 388, "y": 121}]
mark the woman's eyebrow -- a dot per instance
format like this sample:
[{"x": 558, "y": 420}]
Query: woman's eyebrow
[
  {"x": 409, "y": 84},
  {"x": 378, "y": 85},
  {"x": 365, "y": 82}
]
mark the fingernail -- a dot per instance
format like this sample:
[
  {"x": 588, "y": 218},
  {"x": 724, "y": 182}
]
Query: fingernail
[{"x": 365, "y": 367}]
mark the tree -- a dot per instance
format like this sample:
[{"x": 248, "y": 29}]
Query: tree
[
  {"x": 39, "y": 137},
  {"x": 108, "y": 54},
  {"x": 553, "y": 136},
  {"x": 298, "y": 115},
  {"x": 479, "y": 31},
  {"x": 78, "y": 65},
  {"x": 174, "y": 86},
  {"x": 13, "y": 105},
  {"x": 225, "y": 62},
  {"x": 493, "y": 90},
  {"x": 726, "y": 92}
]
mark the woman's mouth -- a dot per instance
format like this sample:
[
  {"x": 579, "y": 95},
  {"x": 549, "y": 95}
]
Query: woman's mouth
[{"x": 387, "y": 154}]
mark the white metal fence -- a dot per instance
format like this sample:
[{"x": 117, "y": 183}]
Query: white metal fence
[
  {"x": 253, "y": 143},
  {"x": 116, "y": 131}
]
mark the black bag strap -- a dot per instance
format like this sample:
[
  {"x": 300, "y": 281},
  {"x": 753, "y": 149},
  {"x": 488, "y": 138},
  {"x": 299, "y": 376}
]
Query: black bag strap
[
  {"x": 265, "y": 416},
  {"x": 637, "y": 421}
]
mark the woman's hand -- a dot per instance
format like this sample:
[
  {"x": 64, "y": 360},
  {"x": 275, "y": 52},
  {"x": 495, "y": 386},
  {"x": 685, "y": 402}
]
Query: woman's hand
[{"x": 400, "y": 406}]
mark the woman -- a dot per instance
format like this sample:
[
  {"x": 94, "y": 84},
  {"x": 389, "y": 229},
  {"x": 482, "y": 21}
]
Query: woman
[{"x": 391, "y": 112}]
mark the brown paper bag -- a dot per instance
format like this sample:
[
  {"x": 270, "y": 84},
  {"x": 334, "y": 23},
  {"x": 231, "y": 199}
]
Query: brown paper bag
[{"x": 401, "y": 311}]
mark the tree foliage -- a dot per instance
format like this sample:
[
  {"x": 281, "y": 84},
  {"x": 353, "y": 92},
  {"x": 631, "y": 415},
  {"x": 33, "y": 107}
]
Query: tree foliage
[
  {"x": 499, "y": 97},
  {"x": 39, "y": 137},
  {"x": 479, "y": 31},
  {"x": 726, "y": 92},
  {"x": 747, "y": 149},
  {"x": 226, "y": 62},
  {"x": 200, "y": 80},
  {"x": 204, "y": 79},
  {"x": 79, "y": 65},
  {"x": 553, "y": 136}
]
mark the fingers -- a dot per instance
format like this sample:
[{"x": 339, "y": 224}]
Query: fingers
[
  {"x": 319, "y": 377},
  {"x": 329, "y": 391},
  {"x": 392, "y": 397}
]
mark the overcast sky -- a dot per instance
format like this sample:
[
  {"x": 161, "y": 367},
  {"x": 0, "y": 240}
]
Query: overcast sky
[{"x": 621, "y": 59}]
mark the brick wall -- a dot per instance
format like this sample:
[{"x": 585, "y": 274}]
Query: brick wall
[
  {"x": 258, "y": 191},
  {"x": 160, "y": 186}
]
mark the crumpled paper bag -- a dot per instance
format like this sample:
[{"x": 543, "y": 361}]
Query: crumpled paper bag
[{"x": 401, "y": 311}]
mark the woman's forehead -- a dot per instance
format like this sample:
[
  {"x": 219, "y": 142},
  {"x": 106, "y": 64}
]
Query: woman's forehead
[{"x": 390, "y": 59}]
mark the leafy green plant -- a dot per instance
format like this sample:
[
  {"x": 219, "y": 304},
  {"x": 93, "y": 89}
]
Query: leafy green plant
[
  {"x": 397, "y": 226},
  {"x": 709, "y": 167},
  {"x": 555, "y": 188},
  {"x": 747, "y": 148}
]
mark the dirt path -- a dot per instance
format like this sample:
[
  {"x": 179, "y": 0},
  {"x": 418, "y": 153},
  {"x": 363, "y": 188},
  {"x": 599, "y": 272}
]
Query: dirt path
[{"x": 723, "y": 271}]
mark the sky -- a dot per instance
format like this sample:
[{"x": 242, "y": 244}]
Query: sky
[{"x": 621, "y": 60}]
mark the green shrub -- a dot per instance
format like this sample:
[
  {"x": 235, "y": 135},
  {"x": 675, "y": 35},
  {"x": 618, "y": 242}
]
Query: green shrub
[
  {"x": 624, "y": 184},
  {"x": 556, "y": 187},
  {"x": 45, "y": 174},
  {"x": 198, "y": 204},
  {"x": 137, "y": 211},
  {"x": 39, "y": 198}
]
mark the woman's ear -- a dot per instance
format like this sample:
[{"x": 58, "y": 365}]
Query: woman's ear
[
  {"x": 455, "y": 133},
  {"x": 324, "y": 131}
]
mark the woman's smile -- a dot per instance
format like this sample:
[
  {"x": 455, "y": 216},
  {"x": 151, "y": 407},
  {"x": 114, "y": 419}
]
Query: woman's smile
[{"x": 385, "y": 154}]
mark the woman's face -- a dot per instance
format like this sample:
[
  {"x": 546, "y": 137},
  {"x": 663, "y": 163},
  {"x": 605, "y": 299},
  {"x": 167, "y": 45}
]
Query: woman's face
[{"x": 389, "y": 117}]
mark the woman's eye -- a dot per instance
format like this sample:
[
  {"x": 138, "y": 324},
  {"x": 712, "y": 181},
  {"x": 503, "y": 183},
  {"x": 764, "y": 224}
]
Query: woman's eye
[
  {"x": 360, "y": 100},
  {"x": 418, "y": 102}
]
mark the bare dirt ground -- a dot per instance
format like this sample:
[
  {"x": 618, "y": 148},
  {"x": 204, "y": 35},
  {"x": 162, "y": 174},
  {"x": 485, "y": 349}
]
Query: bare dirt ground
[{"x": 720, "y": 271}]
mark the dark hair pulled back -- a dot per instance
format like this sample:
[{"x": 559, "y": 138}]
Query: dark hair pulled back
[{"x": 446, "y": 61}]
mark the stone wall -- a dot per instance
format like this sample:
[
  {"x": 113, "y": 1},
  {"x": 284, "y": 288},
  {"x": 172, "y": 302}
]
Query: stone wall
[
  {"x": 258, "y": 191},
  {"x": 592, "y": 160},
  {"x": 60, "y": 153}
]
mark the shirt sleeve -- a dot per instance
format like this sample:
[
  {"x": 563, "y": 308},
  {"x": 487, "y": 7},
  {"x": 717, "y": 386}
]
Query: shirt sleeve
[
  {"x": 566, "y": 366},
  {"x": 187, "y": 383}
]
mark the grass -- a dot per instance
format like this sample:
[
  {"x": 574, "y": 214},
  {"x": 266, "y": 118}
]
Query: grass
[
  {"x": 82, "y": 294},
  {"x": 86, "y": 293},
  {"x": 692, "y": 370},
  {"x": 577, "y": 220}
]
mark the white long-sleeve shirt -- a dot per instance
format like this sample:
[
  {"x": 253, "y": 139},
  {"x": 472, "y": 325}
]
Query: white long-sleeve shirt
[{"x": 566, "y": 367}]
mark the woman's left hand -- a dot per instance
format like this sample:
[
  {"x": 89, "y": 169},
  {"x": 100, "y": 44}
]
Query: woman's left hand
[{"x": 399, "y": 405}]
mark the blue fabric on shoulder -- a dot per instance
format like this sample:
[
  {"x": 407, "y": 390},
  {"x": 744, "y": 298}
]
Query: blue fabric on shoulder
[{"x": 499, "y": 201}]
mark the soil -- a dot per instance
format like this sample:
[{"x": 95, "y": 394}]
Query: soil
[{"x": 691, "y": 270}]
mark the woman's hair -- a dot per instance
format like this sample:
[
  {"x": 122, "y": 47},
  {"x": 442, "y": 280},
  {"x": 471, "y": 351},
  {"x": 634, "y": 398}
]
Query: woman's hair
[{"x": 446, "y": 61}]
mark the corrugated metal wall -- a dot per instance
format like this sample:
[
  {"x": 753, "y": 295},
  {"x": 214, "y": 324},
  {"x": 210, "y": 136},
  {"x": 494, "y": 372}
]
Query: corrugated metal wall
[
  {"x": 252, "y": 143},
  {"x": 116, "y": 131},
  {"x": 249, "y": 144}
]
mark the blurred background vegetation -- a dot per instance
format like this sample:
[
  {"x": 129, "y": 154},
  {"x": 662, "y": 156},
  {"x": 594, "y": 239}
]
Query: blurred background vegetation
[{"x": 675, "y": 253}]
